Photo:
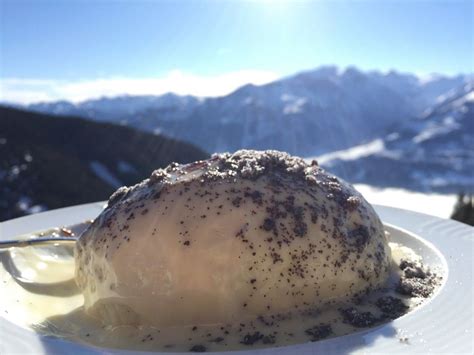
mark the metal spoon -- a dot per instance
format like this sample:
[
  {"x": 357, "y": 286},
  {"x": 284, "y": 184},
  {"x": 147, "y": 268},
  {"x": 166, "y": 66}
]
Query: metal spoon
[
  {"x": 58, "y": 237},
  {"x": 5, "y": 244},
  {"x": 67, "y": 235}
]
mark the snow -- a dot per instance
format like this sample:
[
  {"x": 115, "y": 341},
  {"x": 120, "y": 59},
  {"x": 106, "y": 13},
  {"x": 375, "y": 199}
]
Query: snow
[
  {"x": 25, "y": 204},
  {"x": 36, "y": 209},
  {"x": 439, "y": 181},
  {"x": 433, "y": 204},
  {"x": 449, "y": 124},
  {"x": 103, "y": 173},
  {"x": 359, "y": 151},
  {"x": 248, "y": 100},
  {"x": 125, "y": 167},
  {"x": 427, "y": 112},
  {"x": 469, "y": 97},
  {"x": 446, "y": 96},
  {"x": 449, "y": 178},
  {"x": 293, "y": 104},
  {"x": 15, "y": 171},
  {"x": 449, "y": 121},
  {"x": 392, "y": 136},
  {"x": 424, "y": 79}
]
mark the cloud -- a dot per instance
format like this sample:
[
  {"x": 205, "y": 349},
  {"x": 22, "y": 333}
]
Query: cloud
[{"x": 25, "y": 91}]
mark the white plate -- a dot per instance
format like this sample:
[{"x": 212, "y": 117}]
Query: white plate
[{"x": 443, "y": 325}]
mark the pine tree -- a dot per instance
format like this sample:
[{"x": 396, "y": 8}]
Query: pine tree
[{"x": 463, "y": 210}]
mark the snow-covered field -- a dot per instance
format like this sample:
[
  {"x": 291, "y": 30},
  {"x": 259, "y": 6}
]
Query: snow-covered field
[{"x": 428, "y": 203}]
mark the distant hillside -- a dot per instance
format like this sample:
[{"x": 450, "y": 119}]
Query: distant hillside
[{"x": 49, "y": 162}]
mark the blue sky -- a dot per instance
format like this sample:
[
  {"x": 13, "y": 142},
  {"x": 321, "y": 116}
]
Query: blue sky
[{"x": 75, "y": 49}]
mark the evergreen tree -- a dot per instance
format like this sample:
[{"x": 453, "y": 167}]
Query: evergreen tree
[{"x": 463, "y": 210}]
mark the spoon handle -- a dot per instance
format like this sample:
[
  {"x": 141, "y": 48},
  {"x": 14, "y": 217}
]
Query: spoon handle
[{"x": 4, "y": 244}]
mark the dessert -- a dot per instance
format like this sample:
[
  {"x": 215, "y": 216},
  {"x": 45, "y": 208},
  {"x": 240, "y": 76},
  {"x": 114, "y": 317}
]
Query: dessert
[{"x": 229, "y": 239}]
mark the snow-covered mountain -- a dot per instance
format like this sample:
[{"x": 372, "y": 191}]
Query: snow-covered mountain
[
  {"x": 434, "y": 152},
  {"x": 305, "y": 114},
  {"x": 118, "y": 109},
  {"x": 309, "y": 113},
  {"x": 422, "y": 92}
]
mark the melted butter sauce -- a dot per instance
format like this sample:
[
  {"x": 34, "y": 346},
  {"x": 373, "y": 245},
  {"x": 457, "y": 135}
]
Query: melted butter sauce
[{"x": 39, "y": 293}]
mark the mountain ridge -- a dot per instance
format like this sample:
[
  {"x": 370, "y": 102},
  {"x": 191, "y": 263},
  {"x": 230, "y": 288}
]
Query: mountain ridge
[{"x": 292, "y": 114}]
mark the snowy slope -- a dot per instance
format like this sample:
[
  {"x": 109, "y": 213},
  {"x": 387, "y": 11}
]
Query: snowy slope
[{"x": 434, "y": 152}]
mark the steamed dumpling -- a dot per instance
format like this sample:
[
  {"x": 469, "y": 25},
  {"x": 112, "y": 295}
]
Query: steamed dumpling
[{"x": 227, "y": 239}]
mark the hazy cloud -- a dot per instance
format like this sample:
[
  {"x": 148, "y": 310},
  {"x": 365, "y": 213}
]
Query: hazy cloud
[{"x": 179, "y": 82}]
